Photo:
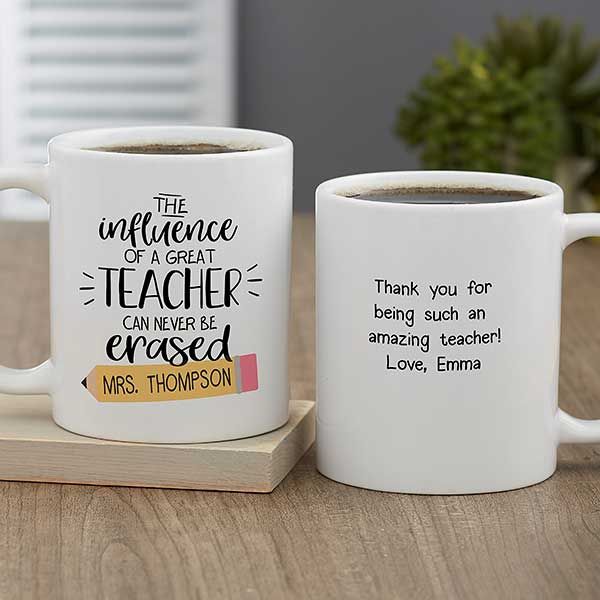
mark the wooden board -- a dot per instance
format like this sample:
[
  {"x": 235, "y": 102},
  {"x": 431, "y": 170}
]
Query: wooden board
[{"x": 34, "y": 448}]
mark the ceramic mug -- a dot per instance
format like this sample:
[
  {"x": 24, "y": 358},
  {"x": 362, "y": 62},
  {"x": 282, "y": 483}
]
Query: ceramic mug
[
  {"x": 169, "y": 282},
  {"x": 462, "y": 397}
]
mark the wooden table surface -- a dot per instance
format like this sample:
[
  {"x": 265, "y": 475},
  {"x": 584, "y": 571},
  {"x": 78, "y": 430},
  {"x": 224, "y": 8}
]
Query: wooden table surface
[{"x": 310, "y": 538}]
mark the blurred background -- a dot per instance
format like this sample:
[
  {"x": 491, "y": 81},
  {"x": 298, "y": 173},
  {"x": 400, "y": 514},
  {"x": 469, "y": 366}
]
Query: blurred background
[{"x": 359, "y": 86}]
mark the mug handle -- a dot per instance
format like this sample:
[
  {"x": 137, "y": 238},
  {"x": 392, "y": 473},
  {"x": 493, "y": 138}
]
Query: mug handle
[
  {"x": 40, "y": 379},
  {"x": 570, "y": 429}
]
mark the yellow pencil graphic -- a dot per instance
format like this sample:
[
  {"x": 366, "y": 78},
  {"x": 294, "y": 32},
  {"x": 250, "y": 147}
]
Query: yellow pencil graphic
[{"x": 164, "y": 382}]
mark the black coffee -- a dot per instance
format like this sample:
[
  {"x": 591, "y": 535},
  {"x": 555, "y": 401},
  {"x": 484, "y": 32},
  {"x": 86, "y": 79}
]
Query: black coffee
[
  {"x": 196, "y": 148},
  {"x": 436, "y": 195}
]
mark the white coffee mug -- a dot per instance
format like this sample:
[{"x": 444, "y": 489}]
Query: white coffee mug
[
  {"x": 169, "y": 281},
  {"x": 462, "y": 396}
]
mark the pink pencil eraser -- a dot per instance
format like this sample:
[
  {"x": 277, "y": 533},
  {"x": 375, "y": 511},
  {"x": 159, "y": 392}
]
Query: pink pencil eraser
[{"x": 248, "y": 373}]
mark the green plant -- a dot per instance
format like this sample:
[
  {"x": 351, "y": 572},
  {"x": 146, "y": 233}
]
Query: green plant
[{"x": 519, "y": 103}]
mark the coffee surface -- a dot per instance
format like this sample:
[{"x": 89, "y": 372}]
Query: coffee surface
[
  {"x": 196, "y": 148},
  {"x": 440, "y": 195}
]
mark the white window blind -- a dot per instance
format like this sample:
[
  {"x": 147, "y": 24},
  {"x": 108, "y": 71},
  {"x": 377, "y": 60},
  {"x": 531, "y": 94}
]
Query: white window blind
[{"x": 74, "y": 64}]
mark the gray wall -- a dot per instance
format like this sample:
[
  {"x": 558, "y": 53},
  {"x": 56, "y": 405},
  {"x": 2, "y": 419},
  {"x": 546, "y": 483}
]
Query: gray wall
[{"x": 330, "y": 73}]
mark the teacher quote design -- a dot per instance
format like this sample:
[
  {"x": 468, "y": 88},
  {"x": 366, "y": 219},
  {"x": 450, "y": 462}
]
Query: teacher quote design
[{"x": 158, "y": 306}]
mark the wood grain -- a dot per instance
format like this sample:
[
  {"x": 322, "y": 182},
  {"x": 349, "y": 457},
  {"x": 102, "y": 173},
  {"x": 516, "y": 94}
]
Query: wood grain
[
  {"x": 310, "y": 538},
  {"x": 33, "y": 448}
]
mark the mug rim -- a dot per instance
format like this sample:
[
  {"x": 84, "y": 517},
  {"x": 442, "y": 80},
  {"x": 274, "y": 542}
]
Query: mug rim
[
  {"x": 340, "y": 188},
  {"x": 265, "y": 141}
]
